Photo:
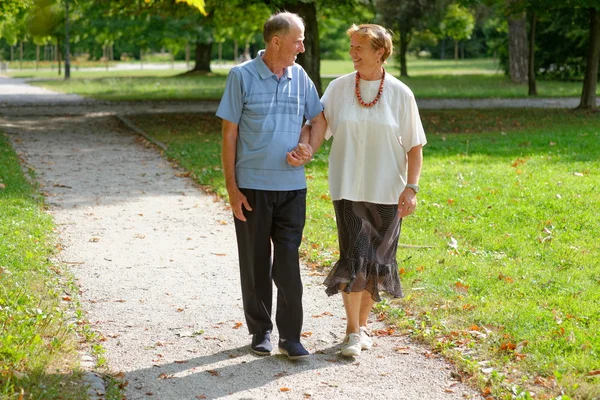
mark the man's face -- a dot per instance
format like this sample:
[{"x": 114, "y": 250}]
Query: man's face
[{"x": 291, "y": 45}]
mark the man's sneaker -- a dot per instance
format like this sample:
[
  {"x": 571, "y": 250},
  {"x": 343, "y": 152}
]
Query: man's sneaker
[
  {"x": 261, "y": 344},
  {"x": 365, "y": 339},
  {"x": 294, "y": 350},
  {"x": 351, "y": 345}
]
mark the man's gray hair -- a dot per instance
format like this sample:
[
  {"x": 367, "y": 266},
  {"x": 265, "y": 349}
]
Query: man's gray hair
[{"x": 279, "y": 24}]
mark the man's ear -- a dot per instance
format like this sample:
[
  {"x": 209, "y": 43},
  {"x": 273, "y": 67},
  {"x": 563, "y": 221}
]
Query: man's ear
[{"x": 276, "y": 42}]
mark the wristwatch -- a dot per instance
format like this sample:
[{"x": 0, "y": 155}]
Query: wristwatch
[{"x": 413, "y": 186}]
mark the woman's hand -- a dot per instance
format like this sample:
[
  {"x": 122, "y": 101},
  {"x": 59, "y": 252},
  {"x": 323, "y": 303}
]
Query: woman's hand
[
  {"x": 301, "y": 155},
  {"x": 407, "y": 203}
]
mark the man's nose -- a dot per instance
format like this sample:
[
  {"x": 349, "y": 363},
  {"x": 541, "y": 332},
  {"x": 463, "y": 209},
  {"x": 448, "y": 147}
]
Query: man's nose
[{"x": 301, "y": 49}]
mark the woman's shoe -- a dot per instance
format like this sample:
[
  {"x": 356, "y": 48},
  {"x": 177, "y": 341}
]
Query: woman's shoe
[
  {"x": 365, "y": 339},
  {"x": 351, "y": 345}
]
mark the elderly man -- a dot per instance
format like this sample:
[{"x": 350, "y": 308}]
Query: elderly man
[{"x": 263, "y": 157}]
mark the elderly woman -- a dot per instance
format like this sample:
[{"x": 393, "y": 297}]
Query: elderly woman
[{"x": 374, "y": 168}]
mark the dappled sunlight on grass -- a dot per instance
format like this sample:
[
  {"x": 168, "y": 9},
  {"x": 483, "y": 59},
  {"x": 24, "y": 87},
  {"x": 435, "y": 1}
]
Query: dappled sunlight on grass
[{"x": 501, "y": 244}]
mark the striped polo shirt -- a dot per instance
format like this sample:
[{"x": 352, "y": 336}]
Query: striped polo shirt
[{"x": 269, "y": 112}]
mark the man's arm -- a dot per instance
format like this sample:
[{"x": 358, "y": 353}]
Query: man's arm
[
  {"x": 228, "y": 151},
  {"x": 311, "y": 138}
]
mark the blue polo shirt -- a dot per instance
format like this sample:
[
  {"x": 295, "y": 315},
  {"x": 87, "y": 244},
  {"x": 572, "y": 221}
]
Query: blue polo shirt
[{"x": 269, "y": 114}]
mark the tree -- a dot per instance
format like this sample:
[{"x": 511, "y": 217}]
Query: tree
[
  {"x": 590, "y": 80},
  {"x": 405, "y": 17},
  {"x": 9, "y": 8},
  {"x": 518, "y": 47},
  {"x": 458, "y": 24}
]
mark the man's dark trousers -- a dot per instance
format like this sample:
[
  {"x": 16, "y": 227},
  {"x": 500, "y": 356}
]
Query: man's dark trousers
[{"x": 277, "y": 217}]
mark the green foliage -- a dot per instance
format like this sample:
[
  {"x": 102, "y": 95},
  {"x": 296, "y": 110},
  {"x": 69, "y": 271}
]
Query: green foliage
[
  {"x": 458, "y": 23},
  {"x": 36, "y": 353},
  {"x": 9, "y": 8}
]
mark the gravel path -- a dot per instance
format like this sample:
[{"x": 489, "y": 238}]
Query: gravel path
[{"x": 156, "y": 261}]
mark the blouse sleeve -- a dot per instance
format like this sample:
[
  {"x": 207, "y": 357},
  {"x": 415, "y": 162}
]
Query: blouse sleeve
[
  {"x": 412, "y": 131},
  {"x": 327, "y": 100}
]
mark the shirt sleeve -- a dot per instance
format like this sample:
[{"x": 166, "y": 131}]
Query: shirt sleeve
[
  {"x": 313, "y": 105},
  {"x": 326, "y": 100},
  {"x": 412, "y": 131},
  {"x": 232, "y": 103}
]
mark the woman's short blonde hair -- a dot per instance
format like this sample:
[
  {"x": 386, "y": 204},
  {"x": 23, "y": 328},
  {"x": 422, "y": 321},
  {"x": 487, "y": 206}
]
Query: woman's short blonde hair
[{"x": 380, "y": 37}]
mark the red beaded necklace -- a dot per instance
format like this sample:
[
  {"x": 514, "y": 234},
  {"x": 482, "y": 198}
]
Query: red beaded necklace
[{"x": 357, "y": 91}]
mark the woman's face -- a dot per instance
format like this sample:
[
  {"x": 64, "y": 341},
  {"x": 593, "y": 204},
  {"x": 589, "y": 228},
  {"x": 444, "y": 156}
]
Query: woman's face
[{"x": 363, "y": 55}]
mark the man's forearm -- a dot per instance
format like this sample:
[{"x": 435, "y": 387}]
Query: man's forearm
[
  {"x": 228, "y": 150},
  {"x": 317, "y": 132}
]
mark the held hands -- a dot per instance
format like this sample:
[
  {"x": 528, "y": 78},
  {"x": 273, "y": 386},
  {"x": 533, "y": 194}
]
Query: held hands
[
  {"x": 301, "y": 155},
  {"x": 407, "y": 203},
  {"x": 236, "y": 200}
]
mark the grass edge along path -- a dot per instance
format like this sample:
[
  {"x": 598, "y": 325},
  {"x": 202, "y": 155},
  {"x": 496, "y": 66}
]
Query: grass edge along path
[
  {"x": 505, "y": 285},
  {"x": 38, "y": 343}
]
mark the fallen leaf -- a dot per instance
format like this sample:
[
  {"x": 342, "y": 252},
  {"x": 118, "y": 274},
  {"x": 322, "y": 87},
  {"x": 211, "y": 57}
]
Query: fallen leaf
[
  {"x": 237, "y": 325},
  {"x": 461, "y": 287},
  {"x": 306, "y": 334},
  {"x": 66, "y": 298},
  {"x": 402, "y": 350},
  {"x": 94, "y": 239},
  {"x": 180, "y": 310},
  {"x": 213, "y": 372},
  {"x": 594, "y": 373},
  {"x": 284, "y": 389}
]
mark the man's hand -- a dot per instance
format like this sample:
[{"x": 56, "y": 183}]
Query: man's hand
[
  {"x": 407, "y": 203},
  {"x": 299, "y": 156},
  {"x": 236, "y": 200}
]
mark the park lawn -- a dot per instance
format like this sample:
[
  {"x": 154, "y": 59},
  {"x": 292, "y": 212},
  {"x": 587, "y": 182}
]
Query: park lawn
[
  {"x": 473, "y": 79},
  {"x": 166, "y": 88},
  {"x": 38, "y": 358},
  {"x": 499, "y": 263}
]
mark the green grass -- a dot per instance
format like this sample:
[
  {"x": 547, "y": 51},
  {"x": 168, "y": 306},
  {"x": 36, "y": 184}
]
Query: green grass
[
  {"x": 37, "y": 347},
  {"x": 503, "y": 271},
  {"x": 474, "y": 79}
]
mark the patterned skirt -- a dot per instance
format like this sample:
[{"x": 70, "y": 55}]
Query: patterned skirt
[{"x": 368, "y": 236}]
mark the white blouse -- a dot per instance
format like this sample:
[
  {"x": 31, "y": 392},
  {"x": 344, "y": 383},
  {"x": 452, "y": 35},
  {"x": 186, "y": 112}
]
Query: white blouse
[{"x": 368, "y": 159}]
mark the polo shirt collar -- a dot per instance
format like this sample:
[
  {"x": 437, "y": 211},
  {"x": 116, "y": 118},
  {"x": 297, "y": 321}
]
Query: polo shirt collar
[{"x": 264, "y": 71}]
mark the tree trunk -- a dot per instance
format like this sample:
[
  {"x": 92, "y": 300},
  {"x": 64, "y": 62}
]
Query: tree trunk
[
  {"x": 517, "y": 47},
  {"x": 203, "y": 52},
  {"x": 311, "y": 58},
  {"x": 402, "y": 54},
  {"x": 187, "y": 56},
  {"x": 58, "y": 52},
  {"x": 21, "y": 54},
  {"x": 455, "y": 50},
  {"x": 588, "y": 95},
  {"x": 37, "y": 57},
  {"x": 531, "y": 62}
]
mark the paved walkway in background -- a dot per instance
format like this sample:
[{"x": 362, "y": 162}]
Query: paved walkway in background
[{"x": 156, "y": 261}]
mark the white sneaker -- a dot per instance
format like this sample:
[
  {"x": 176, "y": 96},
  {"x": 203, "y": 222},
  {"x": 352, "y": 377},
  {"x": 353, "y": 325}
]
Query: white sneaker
[
  {"x": 365, "y": 339},
  {"x": 351, "y": 346}
]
